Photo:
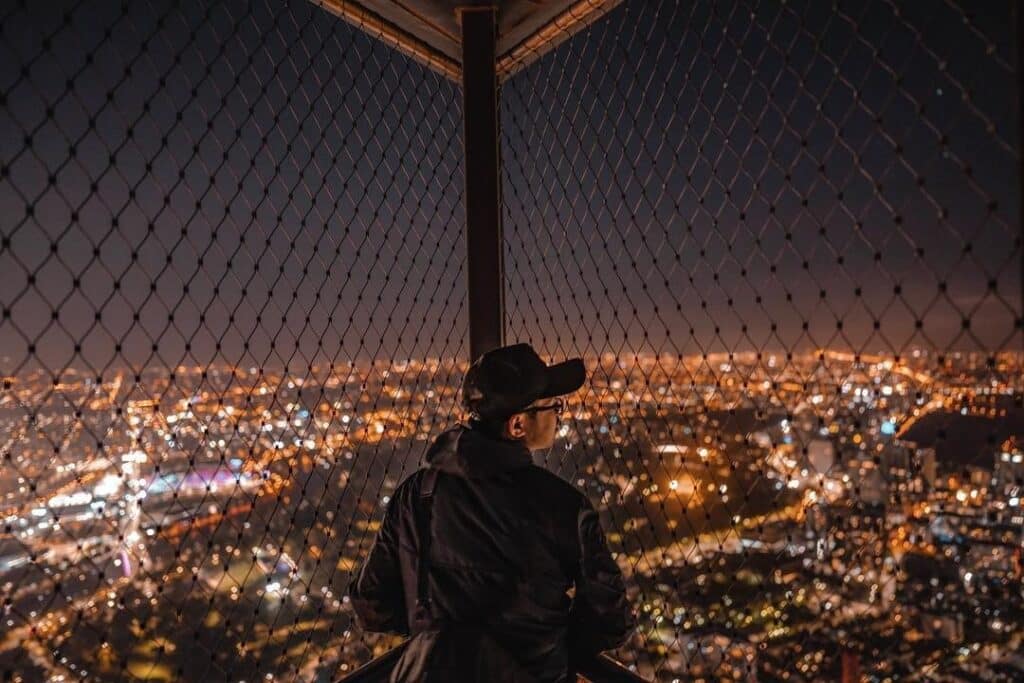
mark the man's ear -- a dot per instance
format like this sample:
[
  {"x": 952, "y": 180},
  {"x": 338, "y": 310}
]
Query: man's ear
[{"x": 515, "y": 426}]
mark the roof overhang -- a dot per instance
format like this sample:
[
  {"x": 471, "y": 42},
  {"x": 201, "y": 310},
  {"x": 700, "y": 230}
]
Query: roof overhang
[{"x": 429, "y": 31}]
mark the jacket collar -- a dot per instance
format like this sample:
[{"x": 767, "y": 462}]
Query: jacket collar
[{"x": 473, "y": 454}]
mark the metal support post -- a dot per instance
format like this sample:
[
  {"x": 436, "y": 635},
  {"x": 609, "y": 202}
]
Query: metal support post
[
  {"x": 1018, "y": 11},
  {"x": 483, "y": 206}
]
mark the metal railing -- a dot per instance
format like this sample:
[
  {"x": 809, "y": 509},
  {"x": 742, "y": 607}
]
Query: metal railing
[{"x": 601, "y": 669}]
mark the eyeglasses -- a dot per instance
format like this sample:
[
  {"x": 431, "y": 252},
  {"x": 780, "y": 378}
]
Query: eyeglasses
[{"x": 558, "y": 406}]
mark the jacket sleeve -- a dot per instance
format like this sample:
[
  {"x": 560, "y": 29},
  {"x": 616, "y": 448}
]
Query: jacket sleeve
[
  {"x": 377, "y": 596},
  {"x": 601, "y": 617}
]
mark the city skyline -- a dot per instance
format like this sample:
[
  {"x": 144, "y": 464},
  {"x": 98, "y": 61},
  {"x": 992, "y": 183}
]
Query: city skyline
[{"x": 739, "y": 466}]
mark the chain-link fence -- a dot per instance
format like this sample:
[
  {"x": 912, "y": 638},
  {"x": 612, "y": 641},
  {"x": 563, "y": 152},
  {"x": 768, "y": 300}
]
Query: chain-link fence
[
  {"x": 786, "y": 237},
  {"x": 233, "y": 303}
]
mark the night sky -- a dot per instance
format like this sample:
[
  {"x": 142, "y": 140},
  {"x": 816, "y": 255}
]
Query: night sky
[
  {"x": 304, "y": 183},
  {"x": 845, "y": 167}
]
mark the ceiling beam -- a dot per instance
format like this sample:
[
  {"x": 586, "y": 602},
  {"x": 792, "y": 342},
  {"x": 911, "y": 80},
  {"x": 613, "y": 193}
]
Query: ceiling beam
[
  {"x": 418, "y": 30},
  {"x": 582, "y": 13},
  {"x": 399, "y": 39}
]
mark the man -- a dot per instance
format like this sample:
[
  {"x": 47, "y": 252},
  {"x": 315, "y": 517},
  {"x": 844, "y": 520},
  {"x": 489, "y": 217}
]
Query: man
[{"x": 497, "y": 568}]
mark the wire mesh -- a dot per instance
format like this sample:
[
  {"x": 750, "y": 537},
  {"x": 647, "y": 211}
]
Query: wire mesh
[
  {"x": 785, "y": 236},
  {"x": 232, "y": 301}
]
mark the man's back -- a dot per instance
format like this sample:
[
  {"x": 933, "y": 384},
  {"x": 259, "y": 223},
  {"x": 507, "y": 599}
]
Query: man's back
[{"x": 508, "y": 541}]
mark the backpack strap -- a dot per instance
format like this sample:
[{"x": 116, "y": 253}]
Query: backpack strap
[
  {"x": 423, "y": 617},
  {"x": 427, "y": 485}
]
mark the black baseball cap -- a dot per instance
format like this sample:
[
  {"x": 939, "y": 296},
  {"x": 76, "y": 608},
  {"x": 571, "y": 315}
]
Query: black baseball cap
[{"x": 506, "y": 380}]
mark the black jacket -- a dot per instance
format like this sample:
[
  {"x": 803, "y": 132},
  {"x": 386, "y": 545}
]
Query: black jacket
[{"x": 509, "y": 539}]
